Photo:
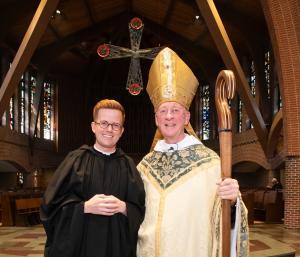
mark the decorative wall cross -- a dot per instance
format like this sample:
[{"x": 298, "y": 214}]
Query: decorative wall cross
[{"x": 107, "y": 51}]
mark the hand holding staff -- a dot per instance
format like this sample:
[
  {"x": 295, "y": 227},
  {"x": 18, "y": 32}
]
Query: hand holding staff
[{"x": 225, "y": 88}]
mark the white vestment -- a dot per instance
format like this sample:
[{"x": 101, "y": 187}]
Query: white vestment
[{"x": 183, "y": 215}]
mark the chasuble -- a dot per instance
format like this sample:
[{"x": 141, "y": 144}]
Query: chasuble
[{"x": 183, "y": 211}]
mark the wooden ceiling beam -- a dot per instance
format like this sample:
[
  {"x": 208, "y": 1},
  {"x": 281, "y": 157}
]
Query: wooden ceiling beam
[
  {"x": 9, "y": 12},
  {"x": 89, "y": 10},
  {"x": 207, "y": 61},
  {"x": 200, "y": 36},
  {"x": 79, "y": 54},
  {"x": 170, "y": 8},
  {"x": 53, "y": 30},
  {"x": 49, "y": 52},
  {"x": 218, "y": 32},
  {"x": 256, "y": 46},
  {"x": 30, "y": 42},
  {"x": 249, "y": 26}
]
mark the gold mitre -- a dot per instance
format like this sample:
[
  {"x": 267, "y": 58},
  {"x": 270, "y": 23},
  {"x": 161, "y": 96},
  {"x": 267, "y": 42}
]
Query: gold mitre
[{"x": 170, "y": 79}]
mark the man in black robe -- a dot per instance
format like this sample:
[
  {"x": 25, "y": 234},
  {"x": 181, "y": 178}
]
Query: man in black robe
[{"x": 94, "y": 204}]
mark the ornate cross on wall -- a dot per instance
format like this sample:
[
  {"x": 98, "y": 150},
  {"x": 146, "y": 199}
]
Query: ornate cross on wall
[{"x": 107, "y": 51}]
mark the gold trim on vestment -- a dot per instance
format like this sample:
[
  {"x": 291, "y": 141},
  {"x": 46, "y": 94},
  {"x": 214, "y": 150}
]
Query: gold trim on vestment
[
  {"x": 146, "y": 171},
  {"x": 158, "y": 224}
]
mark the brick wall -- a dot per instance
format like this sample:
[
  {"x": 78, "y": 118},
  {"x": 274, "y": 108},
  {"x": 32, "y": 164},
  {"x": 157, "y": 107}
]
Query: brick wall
[
  {"x": 283, "y": 21},
  {"x": 247, "y": 148},
  {"x": 292, "y": 196},
  {"x": 14, "y": 148}
]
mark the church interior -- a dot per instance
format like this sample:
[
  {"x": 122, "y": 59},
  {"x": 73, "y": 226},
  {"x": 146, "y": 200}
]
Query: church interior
[{"x": 59, "y": 57}]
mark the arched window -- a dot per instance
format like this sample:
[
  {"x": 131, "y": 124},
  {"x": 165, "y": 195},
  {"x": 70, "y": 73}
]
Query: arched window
[
  {"x": 204, "y": 112},
  {"x": 252, "y": 79},
  {"x": 12, "y": 113},
  {"x": 240, "y": 115},
  {"x": 22, "y": 103},
  {"x": 21, "y": 106},
  {"x": 48, "y": 110},
  {"x": 267, "y": 73}
]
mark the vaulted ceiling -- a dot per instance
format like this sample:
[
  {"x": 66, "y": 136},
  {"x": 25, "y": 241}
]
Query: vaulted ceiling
[
  {"x": 72, "y": 37},
  {"x": 63, "y": 36}
]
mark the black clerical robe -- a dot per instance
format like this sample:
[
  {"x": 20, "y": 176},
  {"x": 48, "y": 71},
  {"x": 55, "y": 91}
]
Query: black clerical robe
[{"x": 73, "y": 233}]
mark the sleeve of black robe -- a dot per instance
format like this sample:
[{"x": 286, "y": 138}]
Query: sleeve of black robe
[
  {"x": 60, "y": 208},
  {"x": 135, "y": 202}
]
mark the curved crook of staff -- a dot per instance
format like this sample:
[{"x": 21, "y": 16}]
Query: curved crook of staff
[{"x": 225, "y": 88}]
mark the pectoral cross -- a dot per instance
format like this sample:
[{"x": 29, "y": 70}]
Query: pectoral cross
[{"x": 107, "y": 51}]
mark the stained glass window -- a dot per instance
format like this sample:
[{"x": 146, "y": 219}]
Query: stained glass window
[
  {"x": 22, "y": 104},
  {"x": 279, "y": 100},
  {"x": 20, "y": 179},
  {"x": 267, "y": 73},
  {"x": 32, "y": 93},
  {"x": 21, "y": 107},
  {"x": 240, "y": 115},
  {"x": 12, "y": 113},
  {"x": 32, "y": 85},
  {"x": 47, "y": 112},
  {"x": 205, "y": 125},
  {"x": 252, "y": 83},
  {"x": 252, "y": 78}
]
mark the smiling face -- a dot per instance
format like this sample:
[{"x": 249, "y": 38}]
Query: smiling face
[
  {"x": 107, "y": 138},
  {"x": 170, "y": 118}
]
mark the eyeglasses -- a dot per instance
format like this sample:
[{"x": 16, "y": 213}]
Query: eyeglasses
[{"x": 104, "y": 124}]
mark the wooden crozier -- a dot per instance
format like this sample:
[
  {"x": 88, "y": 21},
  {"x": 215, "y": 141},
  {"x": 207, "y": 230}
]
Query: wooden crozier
[{"x": 225, "y": 88}]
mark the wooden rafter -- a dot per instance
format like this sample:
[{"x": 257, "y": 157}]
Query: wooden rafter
[
  {"x": 218, "y": 32},
  {"x": 30, "y": 42},
  {"x": 200, "y": 36},
  {"x": 171, "y": 4},
  {"x": 256, "y": 47},
  {"x": 89, "y": 10},
  {"x": 48, "y": 52},
  {"x": 9, "y": 12},
  {"x": 207, "y": 61},
  {"x": 53, "y": 30}
]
